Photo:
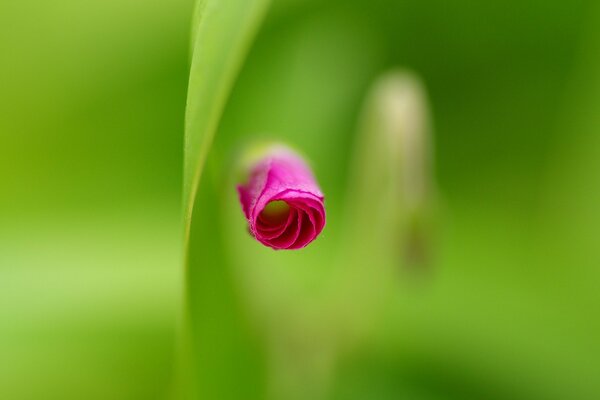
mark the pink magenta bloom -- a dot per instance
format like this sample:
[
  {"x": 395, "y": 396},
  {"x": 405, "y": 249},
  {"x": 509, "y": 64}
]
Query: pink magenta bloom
[{"x": 282, "y": 201}]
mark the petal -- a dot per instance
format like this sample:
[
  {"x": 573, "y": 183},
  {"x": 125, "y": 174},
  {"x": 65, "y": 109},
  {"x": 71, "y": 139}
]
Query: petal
[{"x": 307, "y": 232}]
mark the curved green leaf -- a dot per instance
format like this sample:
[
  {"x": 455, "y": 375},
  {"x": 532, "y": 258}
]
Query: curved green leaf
[{"x": 221, "y": 35}]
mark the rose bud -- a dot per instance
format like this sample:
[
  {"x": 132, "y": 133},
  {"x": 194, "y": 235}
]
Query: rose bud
[{"x": 282, "y": 201}]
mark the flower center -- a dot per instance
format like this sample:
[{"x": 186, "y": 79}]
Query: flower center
[{"x": 275, "y": 212}]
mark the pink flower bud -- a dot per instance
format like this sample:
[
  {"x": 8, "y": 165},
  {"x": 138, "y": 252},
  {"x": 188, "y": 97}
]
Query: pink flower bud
[{"x": 282, "y": 201}]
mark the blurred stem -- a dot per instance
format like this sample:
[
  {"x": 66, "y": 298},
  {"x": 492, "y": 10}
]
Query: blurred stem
[{"x": 299, "y": 372}]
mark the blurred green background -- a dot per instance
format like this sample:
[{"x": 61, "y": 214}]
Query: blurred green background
[{"x": 92, "y": 104}]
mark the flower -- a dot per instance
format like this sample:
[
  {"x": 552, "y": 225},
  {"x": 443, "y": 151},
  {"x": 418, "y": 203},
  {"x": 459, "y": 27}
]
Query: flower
[{"x": 282, "y": 200}]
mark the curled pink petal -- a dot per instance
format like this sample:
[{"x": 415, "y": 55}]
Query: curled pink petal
[{"x": 282, "y": 201}]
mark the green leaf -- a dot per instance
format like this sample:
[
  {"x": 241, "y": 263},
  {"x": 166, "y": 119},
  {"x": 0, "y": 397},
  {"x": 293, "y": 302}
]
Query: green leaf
[
  {"x": 222, "y": 32},
  {"x": 219, "y": 355}
]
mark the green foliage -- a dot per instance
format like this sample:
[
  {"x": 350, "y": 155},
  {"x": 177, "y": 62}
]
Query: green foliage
[
  {"x": 325, "y": 312},
  {"x": 218, "y": 347},
  {"x": 92, "y": 101}
]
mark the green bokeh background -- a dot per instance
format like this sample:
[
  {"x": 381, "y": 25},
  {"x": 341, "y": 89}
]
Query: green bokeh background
[{"x": 92, "y": 102}]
